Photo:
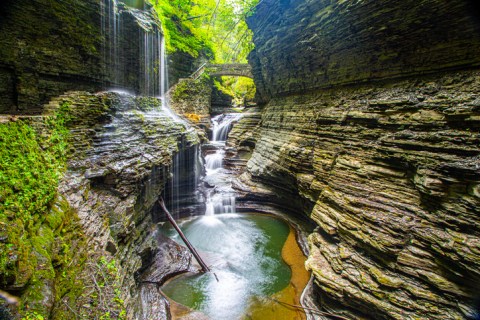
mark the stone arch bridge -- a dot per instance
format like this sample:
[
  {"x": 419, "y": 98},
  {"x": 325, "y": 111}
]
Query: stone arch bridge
[{"x": 227, "y": 69}]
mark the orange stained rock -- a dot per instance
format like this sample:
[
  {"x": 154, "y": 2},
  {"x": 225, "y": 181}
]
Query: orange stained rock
[{"x": 272, "y": 308}]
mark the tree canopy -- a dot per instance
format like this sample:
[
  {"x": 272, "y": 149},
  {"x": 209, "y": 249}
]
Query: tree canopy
[{"x": 217, "y": 26}]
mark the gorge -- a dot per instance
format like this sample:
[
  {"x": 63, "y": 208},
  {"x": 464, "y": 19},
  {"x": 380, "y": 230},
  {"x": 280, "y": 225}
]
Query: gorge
[{"x": 359, "y": 163}]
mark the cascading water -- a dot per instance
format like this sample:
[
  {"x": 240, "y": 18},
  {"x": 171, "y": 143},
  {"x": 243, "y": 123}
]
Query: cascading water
[
  {"x": 129, "y": 32},
  {"x": 220, "y": 196},
  {"x": 222, "y": 124},
  {"x": 236, "y": 238},
  {"x": 120, "y": 24},
  {"x": 181, "y": 191},
  {"x": 243, "y": 250}
]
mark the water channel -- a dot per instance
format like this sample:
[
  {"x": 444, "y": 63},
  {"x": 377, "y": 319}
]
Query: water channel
[{"x": 256, "y": 262}]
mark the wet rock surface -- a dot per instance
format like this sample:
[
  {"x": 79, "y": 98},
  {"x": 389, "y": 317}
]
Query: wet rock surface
[
  {"x": 48, "y": 48},
  {"x": 310, "y": 44},
  {"x": 243, "y": 138},
  {"x": 191, "y": 98},
  {"x": 388, "y": 173},
  {"x": 123, "y": 147},
  {"x": 220, "y": 102},
  {"x": 371, "y": 132}
]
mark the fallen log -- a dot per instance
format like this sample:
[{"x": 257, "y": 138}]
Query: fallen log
[{"x": 184, "y": 238}]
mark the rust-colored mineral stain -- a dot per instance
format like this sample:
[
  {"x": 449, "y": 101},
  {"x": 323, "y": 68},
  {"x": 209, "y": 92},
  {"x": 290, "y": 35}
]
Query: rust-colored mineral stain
[
  {"x": 273, "y": 307},
  {"x": 180, "y": 312}
]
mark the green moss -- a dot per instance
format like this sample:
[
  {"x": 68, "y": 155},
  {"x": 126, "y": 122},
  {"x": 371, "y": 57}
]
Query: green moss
[
  {"x": 147, "y": 103},
  {"x": 31, "y": 165},
  {"x": 180, "y": 91}
]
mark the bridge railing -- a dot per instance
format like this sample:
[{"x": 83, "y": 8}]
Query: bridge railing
[
  {"x": 234, "y": 69},
  {"x": 199, "y": 71}
]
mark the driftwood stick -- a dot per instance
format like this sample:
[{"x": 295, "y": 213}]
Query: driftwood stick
[
  {"x": 9, "y": 298},
  {"x": 184, "y": 238}
]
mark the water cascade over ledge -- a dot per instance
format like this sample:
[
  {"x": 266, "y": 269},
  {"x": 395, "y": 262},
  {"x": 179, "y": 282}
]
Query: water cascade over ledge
[
  {"x": 220, "y": 197},
  {"x": 249, "y": 254}
]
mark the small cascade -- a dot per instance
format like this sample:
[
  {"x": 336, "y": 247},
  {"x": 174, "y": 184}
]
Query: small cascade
[
  {"x": 214, "y": 161},
  {"x": 220, "y": 197},
  {"x": 181, "y": 194},
  {"x": 222, "y": 124}
]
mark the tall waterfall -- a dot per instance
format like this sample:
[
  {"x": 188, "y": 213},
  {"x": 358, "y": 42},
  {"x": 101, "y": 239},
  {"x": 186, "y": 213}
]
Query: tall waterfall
[
  {"x": 135, "y": 58},
  {"x": 128, "y": 33}
]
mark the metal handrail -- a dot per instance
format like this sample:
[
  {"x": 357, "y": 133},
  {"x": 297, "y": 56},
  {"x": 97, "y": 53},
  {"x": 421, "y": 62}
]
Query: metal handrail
[
  {"x": 199, "y": 71},
  {"x": 206, "y": 65}
]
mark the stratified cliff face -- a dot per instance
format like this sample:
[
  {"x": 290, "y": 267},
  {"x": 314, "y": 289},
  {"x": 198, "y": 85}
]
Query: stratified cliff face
[
  {"x": 305, "y": 45},
  {"x": 123, "y": 148},
  {"x": 50, "y": 47},
  {"x": 47, "y": 48},
  {"x": 388, "y": 169}
]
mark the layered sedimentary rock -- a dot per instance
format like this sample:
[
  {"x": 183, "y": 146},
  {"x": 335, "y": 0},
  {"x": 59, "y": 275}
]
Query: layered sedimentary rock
[
  {"x": 191, "y": 98},
  {"x": 243, "y": 137},
  {"x": 220, "y": 101},
  {"x": 305, "y": 45},
  {"x": 388, "y": 169},
  {"x": 123, "y": 147},
  {"x": 97, "y": 250},
  {"x": 48, "y": 48}
]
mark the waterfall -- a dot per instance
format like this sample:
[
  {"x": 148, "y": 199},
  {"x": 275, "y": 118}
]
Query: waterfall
[
  {"x": 163, "y": 70},
  {"x": 181, "y": 193},
  {"x": 130, "y": 33},
  {"x": 133, "y": 53},
  {"x": 187, "y": 164},
  {"x": 135, "y": 59},
  {"x": 214, "y": 161},
  {"x": 164, "y": 85},
  {"x": 220, "y": 195},
  {"x": 222, "y": 124}
]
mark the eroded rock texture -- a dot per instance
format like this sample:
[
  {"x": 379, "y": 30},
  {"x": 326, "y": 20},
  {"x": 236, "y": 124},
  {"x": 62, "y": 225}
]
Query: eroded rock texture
[
  {"x": 46, "y": 48},
  {"x": 308, "y": 44},
  {"x": 123, "y": 149},
  {"x": 50, "y": 47},
  {"x": 191, "y": 99},
  {"x": 388, "y": 169}
]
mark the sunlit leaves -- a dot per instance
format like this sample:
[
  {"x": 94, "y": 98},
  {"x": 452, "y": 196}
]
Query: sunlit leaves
[{"x": 218, "y": 25}]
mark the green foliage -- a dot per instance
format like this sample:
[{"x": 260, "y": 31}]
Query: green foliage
[
  {"x": 30, "y": 167},
  {"x": 239, "y": 88},
  {"x": 42, "y": 247},
  {"x": 33, "y": 315},
  {"x": 89, "y": 286},
  {"x": 33, "y": 156},
  {"x": 177, "y": 30},
  {"x": 215, "y": 25},
  {"x": 104, "y": 297}
]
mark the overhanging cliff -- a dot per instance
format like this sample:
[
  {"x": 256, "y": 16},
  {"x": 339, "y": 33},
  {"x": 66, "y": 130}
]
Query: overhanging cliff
[
  {"x": 372, "y": 130},
  {"x": 306, "y": 45}
]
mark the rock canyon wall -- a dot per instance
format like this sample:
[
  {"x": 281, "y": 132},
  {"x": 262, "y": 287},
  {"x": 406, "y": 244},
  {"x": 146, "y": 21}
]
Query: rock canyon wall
[
  {"x": 48, "y": 48},
  {"x": 371, "y": 128},
  {"x": 93, "y": 250}
]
